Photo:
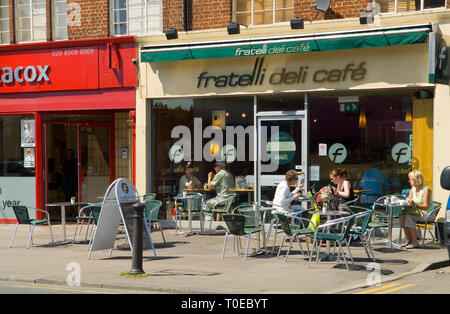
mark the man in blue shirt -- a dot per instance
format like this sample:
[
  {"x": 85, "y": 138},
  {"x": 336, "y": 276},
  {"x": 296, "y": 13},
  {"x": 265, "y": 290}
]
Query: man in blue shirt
[{"x": 376, "y": 182}]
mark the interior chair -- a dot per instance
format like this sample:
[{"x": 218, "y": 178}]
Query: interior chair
[
  {"x": 181, "y": 208},
  {"x": 293, "y": 231},
  {"x": 360, "y": 230},
  {"x": 236, "y": 228},
  {"x": 151, "y": 214},
  {"x": 23, "y": 218},
  {"x": 84, "y": 216},
  {"x": 430, "y": 220},
  {"x": 219, "y": 205},
  {"x": 339, "y": 238}
]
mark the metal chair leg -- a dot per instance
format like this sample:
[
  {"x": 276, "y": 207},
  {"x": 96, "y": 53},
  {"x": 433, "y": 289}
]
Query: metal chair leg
[
  {"x": 281, "y": 245},
  {"x": 224, "y": 244},
  {"x": 30, "y": 237},
  {"x": 246, "y": 249},
  {"x": 14, "y": 235}
]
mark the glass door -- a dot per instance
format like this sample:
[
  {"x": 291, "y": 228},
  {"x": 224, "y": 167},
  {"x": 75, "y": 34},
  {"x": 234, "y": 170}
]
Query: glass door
[
  {"x": 281, "y": 146},
  {"x": 78, "y": 161},
  {"x": 95, "y": 162}
]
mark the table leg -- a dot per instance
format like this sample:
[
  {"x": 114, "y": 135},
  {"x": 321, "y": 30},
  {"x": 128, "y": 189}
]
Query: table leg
[{"x": 63, "y": 221}]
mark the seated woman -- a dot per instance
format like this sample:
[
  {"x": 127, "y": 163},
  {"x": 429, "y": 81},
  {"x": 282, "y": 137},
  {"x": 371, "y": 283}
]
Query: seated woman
[
  {"x": 420, "y": 200},
  {"x": 344, "y": 188}
]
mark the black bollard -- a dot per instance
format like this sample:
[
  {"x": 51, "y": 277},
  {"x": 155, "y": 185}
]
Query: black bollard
[{"x": 138, "y": 227}]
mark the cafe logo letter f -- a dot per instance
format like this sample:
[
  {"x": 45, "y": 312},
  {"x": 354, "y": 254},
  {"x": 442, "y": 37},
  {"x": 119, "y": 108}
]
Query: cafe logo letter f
[{"x": 337, "y": 153}]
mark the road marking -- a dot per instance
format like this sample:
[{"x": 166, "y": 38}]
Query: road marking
[
  {"x": 377, "y": 289},
  {"x": 395, "y": 289}
]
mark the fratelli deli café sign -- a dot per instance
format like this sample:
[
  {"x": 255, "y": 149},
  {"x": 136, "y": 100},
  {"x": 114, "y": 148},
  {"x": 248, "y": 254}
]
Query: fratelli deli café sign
[{"x": 258, "y": 75}]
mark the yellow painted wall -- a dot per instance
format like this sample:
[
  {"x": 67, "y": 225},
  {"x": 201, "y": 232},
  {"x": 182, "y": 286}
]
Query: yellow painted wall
[{"x": 422, "y": 151}]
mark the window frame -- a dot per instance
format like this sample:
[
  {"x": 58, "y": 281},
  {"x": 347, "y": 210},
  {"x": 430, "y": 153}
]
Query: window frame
[
  {"x": 8, "y": 19},
  {"x": 274, "y": 10},
  {"x": 32, "y": 17},
  {"x": 422, "y": 3},
  {"x": 54, "y": 19},
  {"x": 146, "y": 6}
]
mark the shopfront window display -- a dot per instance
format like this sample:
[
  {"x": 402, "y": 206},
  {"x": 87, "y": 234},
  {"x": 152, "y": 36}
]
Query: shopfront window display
[
  {"x": 370, "y": 136},
  {"x": 199, "y": 132}
]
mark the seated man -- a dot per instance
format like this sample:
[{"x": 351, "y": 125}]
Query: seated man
[
  {"x": 188, "y": 181},
  {"x": 284, "y": 196},
  {"x": 375, "y": 181},
  {"x": 222, "y": 180}
]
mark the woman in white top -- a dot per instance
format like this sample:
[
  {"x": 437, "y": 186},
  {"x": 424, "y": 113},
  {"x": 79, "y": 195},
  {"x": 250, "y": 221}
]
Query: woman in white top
[{"x": 284, "y": 196}]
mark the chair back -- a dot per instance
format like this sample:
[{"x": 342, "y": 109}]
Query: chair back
[
  {"x": 229, "y": 202},
  {"x": 250, "y": 216},
  {"x": 283, "y": 220},
  {"x": 149, "y": 196},
  {"x": 235, "y": 223},
  {"x": 349, "y": 226},
  {"x": 436, "y": 205},
  {"x": 22, "y": 215},
  {"x": 152, "y": 209},
  {"x": 366, "y": 218},
  {"x": 95, "y": 211}
]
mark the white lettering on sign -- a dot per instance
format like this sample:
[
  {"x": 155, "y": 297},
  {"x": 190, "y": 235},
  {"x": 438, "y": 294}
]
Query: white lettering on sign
[{"x": 20, "y": 74}]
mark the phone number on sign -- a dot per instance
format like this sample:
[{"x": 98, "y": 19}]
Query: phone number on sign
[{"x": 73, "y": 52}]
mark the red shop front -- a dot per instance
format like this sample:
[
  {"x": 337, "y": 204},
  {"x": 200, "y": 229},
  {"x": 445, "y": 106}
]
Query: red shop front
[{"x": 66, "y": 121}]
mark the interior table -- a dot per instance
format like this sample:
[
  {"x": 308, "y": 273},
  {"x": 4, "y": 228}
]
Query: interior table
[{"x": 63, "y": 206}]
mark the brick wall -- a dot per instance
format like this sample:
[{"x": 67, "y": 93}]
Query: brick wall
[
  {"x": 201, "y": 14},
  {"x": 93, "y": 19}
]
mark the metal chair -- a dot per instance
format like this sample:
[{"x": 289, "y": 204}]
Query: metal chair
[
  {"x": 293, "y": 231},
  {"x": 148, "y": 196},
  {"x": 236, "y": 228},
  {"x": 430, "y": 219},
  {"x": 84, "y": 216},
  {"x": 95, "y": 211},
  {"x": 361, "y": 231},
  {"x": 218, "y": 205},
  {"x": 339, "y": 238},
  {"x": 151, "y": 214},
  {"x": 23, "y": 218}
]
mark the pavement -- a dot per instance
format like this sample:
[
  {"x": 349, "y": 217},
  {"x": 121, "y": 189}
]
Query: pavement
[{"x": 193, "y": 265}]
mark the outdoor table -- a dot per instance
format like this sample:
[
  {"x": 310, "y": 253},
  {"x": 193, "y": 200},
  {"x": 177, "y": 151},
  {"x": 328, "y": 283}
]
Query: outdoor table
[
  {"x": 390, "y": 208},
  {"x": 249, "y": 191},
  {"x": 329, "y": 213},
  {"x": 63, "y": 212},
  {"x": 188, "y": 199}
]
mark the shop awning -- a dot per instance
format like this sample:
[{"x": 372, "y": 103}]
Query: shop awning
[{"x": 367, "y": 38}]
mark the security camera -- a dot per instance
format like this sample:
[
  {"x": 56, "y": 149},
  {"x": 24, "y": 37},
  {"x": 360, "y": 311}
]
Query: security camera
[{"x": 134, "y": 61}]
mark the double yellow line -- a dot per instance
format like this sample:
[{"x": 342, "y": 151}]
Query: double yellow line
[{"x": 385, "y": 289}]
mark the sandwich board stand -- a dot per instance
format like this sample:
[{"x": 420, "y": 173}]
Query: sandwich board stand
[{"x": 117, "y": 206}]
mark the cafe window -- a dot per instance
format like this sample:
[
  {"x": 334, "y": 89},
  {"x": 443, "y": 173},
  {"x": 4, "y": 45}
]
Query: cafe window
[
  {"x": 4, "y": 22},
  {"x": 252, "y": 12},
  {"x": 358, "y": 133},
  {"x": 136, "y": 17},
  {"x": 398, "y": 6},
  {"x": 17, "y": 151},
  {"x": 31, "y": 20},
  {"x": 193, "y": 133}
]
